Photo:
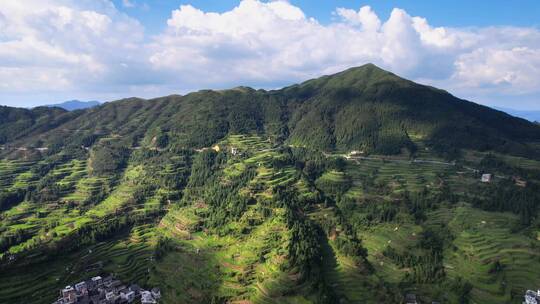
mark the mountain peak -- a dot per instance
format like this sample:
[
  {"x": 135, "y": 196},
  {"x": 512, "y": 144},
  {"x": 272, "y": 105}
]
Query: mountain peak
[
  {"x": 360, "y": 77},
  {"x": 367, "y": 71},
  {"x": 367, "y": 67},
  {"x": 72, "y": 105}
]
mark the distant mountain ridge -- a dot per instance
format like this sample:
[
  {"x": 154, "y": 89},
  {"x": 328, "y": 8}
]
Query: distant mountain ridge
[
  {"x": 529, "y": 115},
  {"x": 72, "y": 105}
]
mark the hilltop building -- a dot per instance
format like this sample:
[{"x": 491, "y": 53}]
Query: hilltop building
[{"x": 486, "y": 178}]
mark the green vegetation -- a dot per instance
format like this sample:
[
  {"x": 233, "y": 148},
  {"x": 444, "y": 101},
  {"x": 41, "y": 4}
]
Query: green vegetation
[{"x": 252, "y": 196}]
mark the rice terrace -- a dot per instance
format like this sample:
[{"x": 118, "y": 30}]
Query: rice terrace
[{"x": 326, "y": 177}]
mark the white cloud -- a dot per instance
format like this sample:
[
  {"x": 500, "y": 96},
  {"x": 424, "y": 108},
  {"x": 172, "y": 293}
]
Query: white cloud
[
  {"x": 258, "y": 42},
  {"x": 59, "y": 46},
  {"x": 507, "y": 69},
  {"x": 365, "y": 17},
  {"x": 88, "y": 45}
]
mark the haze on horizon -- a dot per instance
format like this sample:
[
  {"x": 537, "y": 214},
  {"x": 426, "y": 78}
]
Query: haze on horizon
[{"x": 57, "y": 50}]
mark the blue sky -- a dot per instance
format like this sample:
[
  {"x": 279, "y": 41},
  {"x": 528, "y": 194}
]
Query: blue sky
[
  {"x": 440, "y": 13},
  {"x": 54, "y": 50}
]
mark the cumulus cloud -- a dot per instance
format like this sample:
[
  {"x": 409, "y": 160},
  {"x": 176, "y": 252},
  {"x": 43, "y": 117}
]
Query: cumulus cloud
[
  {"x": 365, "y": 17},
  {"x": 68, "y": 45},
  {"x": 265, "y": 42},
  {"x": 57, "y": 46}
]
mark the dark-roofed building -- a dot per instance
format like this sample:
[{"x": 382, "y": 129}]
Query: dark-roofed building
[
  {"x": 410, "y": 298},
  {"x": 108, "y": 290}
]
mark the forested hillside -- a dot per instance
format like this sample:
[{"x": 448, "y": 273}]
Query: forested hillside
[
  {"x": 363, "y": 108},
  {"x": 359, "y": 187}
]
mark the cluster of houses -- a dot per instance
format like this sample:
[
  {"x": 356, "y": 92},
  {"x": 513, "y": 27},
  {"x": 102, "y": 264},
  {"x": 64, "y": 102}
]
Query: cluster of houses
[
  {"x": 106, "y": 290},
  {"x": 532, "y": 297},
  {"x": 518, "y": 181}
]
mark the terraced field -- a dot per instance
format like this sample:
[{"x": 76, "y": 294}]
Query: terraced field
[
  {"x": 128, "y": 257},
  {"x": 85, "y": 187},
  {"x": 482, "y": 239},
  {"x": 401, "y": 176},
  {"x": 246, "y": 259},
  {"x": 50, "y": 222},
  {"x": 15, "y": 174},
  {"x": 246, "y": 143},
  {"x": 333, "y": 182},
  {"x": 257, "y": 153},
  {"x": 350, "y": 283},
  {"x": 239, "y": 267},
  {"x": 412, "y": 176},
  {"x": 119, "y": 197},
  {"x": 379, "y": 237},
  {"x": 243, "y": 265}
]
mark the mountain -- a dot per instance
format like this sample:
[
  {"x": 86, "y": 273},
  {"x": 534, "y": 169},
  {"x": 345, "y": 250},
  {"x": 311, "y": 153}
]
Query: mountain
[
  {"x": 529, "y": 115},
  {"x": 357, "y": 187},
  {"x": 72, "y": 105},
  {"x": 19, "y": 122},
  {"x": 364, "y": 108}
]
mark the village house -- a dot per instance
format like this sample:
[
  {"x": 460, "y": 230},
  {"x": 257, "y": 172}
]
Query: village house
[
  {"x": 486, "y": 178},
  {"x": 81, "y": 288},
  {"x": 532, "y": 297},
  {"x": 111, "y": 296},
  {"x": 106, "y": 290},
  {"x": 97, "y": 282},
  {"x": 356, "y": 153},
  {"x": 128, "y": 296},
  {"x": 234, "y": 150},
  {"x": 147, "y": 298},
  {"x": 69, "y": 295},
  {"x": 156, "y": 293},
  {"x": 410, "y": 298}
]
